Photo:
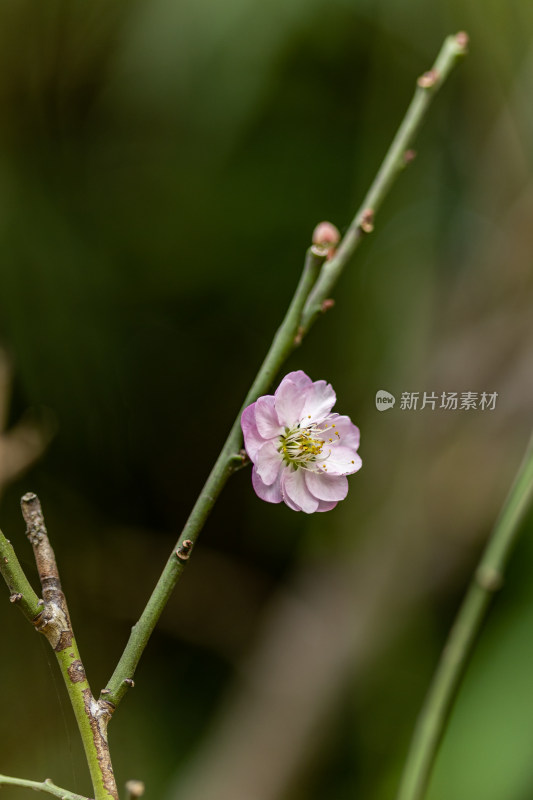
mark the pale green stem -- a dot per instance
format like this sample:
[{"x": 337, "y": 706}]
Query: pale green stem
[
  {"x": 283, "y": 344},
  {"x": 307, "y": 302},
  {"x": 41, "y": 786},
  {"x": 487, "y": 579},
  {"x": 394, "y": 163}
]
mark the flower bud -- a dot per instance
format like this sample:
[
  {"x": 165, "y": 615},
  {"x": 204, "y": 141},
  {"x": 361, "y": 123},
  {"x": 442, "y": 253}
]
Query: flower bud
[
  {"x": 462, "y": 40},
  {"x": 135, "y": 788},
  {"x": 326, "y": 236}
]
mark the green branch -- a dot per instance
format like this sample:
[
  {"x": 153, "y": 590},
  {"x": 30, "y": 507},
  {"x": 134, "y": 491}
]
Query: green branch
[
  {"x": 283, "y": 344},
  {"x": 395, "y": 161},
  {"x": 20, "y": 590},
  {"x": 41, "y": 786},
  {"x": 315, "y": 284},
  {"x": 487, "y": 579}
]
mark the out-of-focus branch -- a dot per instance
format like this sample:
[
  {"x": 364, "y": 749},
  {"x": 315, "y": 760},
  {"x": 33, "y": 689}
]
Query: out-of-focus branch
[
  {"x": 487, "y": 579},
  {"x": 25, "y": 442},
  {"x": 5, "y": 387}
]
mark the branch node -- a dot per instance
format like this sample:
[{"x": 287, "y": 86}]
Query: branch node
[
  {"x": 429, "y": 79},
  {"x": 15, "y": 598},
  {"x": 489, "y": 579},
  {"x": 299, "y": 336},
  {"x": 130, "y": 683},
  {"x": 76, "y": 672},
  {"x": 184, "y": 550},
  {"x": 239, "y": 460},
  {"x": 106, "y": 707},
  {"x": 367, "y": 220},
  {"x": 319, "y": 250},
  {"x": 409, "y": 156},
  {"x": 327, "y": 304}
]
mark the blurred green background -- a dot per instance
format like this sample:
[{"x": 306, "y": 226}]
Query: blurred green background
[{"x": 162, "y": 166}]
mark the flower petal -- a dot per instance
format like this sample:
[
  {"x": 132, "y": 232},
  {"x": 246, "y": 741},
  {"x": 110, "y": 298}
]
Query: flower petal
[
  {"x": 319, "y": 400},
  {"x": 252, "y": 439},
  {"x": 266, "y": 419},
  {"x": 268, "y": 463},
  {"x": 348, "y": 433},
  {"x": 271, "y": 494},
  {"x": 289, "y": 399},
  {"x": 289, "y": 503},
  {"x": 339, "y": 460},
  {"x": 327, "y": 487},
  {"x": 294, "y": 488},
  {"x": 324, "y": 505},
  {"x": 301, "y": 380}
]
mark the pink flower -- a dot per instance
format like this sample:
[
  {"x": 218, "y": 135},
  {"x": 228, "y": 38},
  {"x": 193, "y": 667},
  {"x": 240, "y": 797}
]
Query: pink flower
[{"x": 301, "y": 452}]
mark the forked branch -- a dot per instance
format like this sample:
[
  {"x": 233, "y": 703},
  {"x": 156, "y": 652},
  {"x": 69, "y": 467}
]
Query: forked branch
[{"x": 50, "y": 617}]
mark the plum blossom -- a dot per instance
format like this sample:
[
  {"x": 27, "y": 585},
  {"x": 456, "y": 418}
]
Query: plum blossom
[{"x": 301, "y": 452}]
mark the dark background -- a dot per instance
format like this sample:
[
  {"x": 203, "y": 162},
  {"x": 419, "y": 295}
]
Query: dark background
[{"x": 162, "y": 166}]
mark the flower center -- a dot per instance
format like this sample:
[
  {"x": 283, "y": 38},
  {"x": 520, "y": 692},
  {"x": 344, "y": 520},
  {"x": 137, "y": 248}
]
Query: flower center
[{"x": 302, "y": 447}]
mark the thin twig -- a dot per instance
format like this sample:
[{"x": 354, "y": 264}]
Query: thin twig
[
  {"x": 487, "y": 579},
  {"x": 397, "y": 158},
  {"x": 283, "y": 344},
  {"x": 41, "y": 786},
  {"x": 306, "y": 304}
]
